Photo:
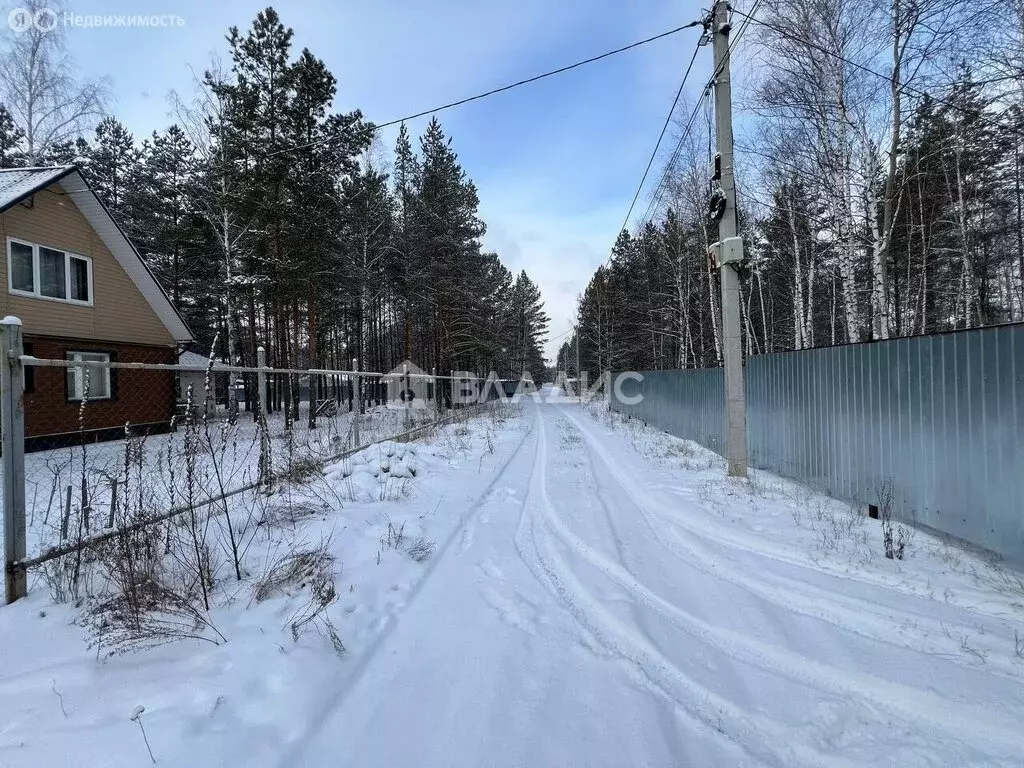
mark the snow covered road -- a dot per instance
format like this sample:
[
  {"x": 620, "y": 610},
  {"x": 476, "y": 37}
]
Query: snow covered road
[{"x": 589, "y": 612}]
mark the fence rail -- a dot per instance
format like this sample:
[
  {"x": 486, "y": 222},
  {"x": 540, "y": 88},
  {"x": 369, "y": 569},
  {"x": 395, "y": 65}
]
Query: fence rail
[
  {"x": 111, "y": 533},
  {"x": 95, "y": 447},
  {"x": 934, "y": 422}
]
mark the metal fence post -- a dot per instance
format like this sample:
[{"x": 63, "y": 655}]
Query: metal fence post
[
  {"x": 437, "y": 394},
  {"x": 357, "y": 393},
  {"x": 406, "y": 392},
  {"x": 266, "y": 474},
  {"x": 12, "y": 385}
]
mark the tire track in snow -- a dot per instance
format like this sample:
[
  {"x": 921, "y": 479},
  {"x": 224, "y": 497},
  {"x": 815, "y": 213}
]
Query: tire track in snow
[
  {"x": 926, "y": 710},
  {"x": 730, "y": 538},
  {"x": 846, "y": 612},
  {"x": 294, "y": 753},
  {"x": 758, "y": 737}
]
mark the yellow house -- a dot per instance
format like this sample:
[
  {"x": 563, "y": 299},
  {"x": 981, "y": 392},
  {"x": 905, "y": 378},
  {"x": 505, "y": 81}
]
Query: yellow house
[{"x": 82, "y": 291}]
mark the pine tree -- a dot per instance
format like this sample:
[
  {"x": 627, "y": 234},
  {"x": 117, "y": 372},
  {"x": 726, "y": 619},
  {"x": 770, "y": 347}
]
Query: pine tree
[
  {"x": 114, "y": 169},
  {"x": 11, "y": 138}
]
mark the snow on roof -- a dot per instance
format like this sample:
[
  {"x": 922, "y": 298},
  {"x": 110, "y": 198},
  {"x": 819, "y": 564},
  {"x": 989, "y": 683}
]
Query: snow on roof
[
  {"x": 193, "y": 359},
  {"x": 18, "y": 183}
]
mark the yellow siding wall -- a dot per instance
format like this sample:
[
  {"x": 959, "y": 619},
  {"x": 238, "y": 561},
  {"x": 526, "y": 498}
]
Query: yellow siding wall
[{"x": 119, "y": 312}]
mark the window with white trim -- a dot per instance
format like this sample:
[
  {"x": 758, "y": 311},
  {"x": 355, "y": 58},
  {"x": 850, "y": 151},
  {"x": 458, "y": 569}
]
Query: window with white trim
[
  {"x": 48, "y": 273},
  {"x": 98, "y": 384}
]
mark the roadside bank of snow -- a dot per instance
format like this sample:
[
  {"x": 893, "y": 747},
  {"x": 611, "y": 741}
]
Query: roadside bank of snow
[
  {"x": 940, "y": 598},
  {"x": 373, "y": 522}
]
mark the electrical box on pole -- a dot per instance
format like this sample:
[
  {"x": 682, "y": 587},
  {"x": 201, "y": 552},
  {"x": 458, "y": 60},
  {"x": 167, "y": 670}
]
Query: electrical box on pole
[{"x": 728, "y": 251}]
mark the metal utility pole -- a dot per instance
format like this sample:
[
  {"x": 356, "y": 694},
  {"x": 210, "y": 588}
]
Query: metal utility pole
[{"x": 728, "y": 252}]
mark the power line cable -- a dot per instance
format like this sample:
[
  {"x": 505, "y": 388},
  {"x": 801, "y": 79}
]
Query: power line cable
[
  {"x": 493, "y": 91},
  {"x": 904, "y": 86},
  {"x": 693, "y": 116},
  {"x": 686, "y": 130},
  {"x": 661, "y": 136},
  {"x": 675, "y": 153}
]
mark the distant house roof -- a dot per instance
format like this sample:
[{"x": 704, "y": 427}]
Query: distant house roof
[
  {"x": 18, "y": 184},
  {"x": 195, "y": 360}
]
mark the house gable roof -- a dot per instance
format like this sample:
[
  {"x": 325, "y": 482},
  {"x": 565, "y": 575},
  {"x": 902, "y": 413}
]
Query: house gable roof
[{"x": 18, "y": 184}]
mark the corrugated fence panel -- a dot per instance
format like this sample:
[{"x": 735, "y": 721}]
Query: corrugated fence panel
[
  {"x": 938, "y": 421},
  {"x": 687, "y": 403}
]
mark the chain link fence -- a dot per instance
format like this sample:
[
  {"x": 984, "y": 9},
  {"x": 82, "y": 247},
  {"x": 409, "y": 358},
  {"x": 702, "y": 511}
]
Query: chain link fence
[{"x": 100, "y": 443}]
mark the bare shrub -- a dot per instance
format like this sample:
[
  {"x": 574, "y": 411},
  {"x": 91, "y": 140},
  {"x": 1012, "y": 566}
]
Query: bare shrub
[
  {"x": 395, "y": 488},
  {"x": 502, "y": 411},
  {"x": 69, "y": 579},
  {"x": 293, "y": 571},
  {"x": 286, "y": 514},
  {"x": 194, "y": 556},
  {"x": 964, "y": 642},
  {"x": 419, "y": 548},
  {"x": 681, "y": 449},
  {"x": 144, "y": 604},
  {"x": 895, "y": 540},
  {"x": 701, "y": 464},
  {"x": 311, "y": 571},
  {"x": 840, "y": 527},
  {"x": 754, "y": 484},
  {"x": 302, "y": 470},
  {"x": 456, "y": 440},
  {"x": 1004, "y": 580},
  {"x": 394, "y": 537},
  {"x": 949, "y": 553},
  {"x": 150, "y": 614},
  {"x": 707, "y": 490}
]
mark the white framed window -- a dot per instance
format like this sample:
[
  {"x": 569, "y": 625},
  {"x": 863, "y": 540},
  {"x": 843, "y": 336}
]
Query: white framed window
[
  {"x": 99, "y": 377},
  {"x": 48, "y": 273}
]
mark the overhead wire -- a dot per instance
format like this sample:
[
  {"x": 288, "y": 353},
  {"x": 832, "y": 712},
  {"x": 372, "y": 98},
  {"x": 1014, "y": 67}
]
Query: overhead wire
[
  {"x": 661, "y": 136},
  {"x": 686, "y": 129},
  {"x": 664, "y": 128},
  {"x": 501, "y": 89},
  {"x": 684, "y": 135}
]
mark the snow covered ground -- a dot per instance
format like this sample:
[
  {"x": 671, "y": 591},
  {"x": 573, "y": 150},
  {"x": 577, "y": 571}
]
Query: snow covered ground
[
  {"x": 228, "y": 458},
  {"x": 557, "y": 589}
]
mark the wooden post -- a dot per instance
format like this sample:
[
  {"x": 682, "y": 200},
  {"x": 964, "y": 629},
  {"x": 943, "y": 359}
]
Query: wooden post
[
  {"x": 113, "y": 503},
  {"x": 66, "y": 520}
]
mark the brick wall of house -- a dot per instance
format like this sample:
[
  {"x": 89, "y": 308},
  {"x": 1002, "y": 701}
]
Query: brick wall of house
[{"x": 139, "y": 397}]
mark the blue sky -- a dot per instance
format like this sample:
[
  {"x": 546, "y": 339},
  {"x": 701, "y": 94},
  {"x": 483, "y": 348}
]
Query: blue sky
[{"x": 556, "y": 163}]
